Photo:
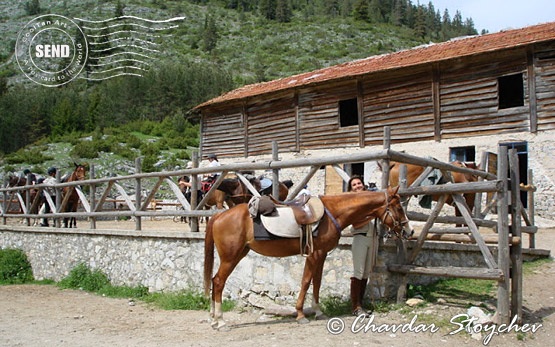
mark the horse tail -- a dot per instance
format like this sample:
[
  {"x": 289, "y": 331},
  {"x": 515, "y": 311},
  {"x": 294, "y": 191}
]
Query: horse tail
[{"x": 208, "y": 256}]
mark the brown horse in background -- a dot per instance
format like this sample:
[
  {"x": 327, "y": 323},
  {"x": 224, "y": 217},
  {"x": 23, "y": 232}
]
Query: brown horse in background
[
  {"x": 283, "y": 189},
  {"x": 18, "y": 181},
  {"x": 414, "y": 171},
  {"x": 72, "y": 201},
  {"x": 231, "y": 233}
]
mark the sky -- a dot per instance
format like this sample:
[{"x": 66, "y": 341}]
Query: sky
[{"x": 496, "y": 15}]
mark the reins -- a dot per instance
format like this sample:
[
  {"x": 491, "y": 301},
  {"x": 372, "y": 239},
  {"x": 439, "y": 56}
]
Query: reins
[{"x": 396, "y": 223}]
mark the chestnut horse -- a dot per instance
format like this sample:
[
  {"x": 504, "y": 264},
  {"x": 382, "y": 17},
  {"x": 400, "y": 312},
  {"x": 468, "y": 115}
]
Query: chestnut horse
[
  {"x": 414, "y": 171},
  {"x": 73, "y": 200},
  {"x": 231, "y": 232}
]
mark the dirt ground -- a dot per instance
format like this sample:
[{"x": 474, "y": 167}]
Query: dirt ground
[{"x": 32, "y": 315}]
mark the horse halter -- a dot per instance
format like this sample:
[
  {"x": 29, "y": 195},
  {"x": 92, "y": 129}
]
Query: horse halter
[{"x": 398, "y": 223}]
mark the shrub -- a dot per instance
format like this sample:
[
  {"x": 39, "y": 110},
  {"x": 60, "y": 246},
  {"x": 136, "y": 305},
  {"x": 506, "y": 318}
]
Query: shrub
[
  {"x": 82, "y": 277},
  {"x": 14, "y": 267},
  {"x": 84, "y": 149},
  {"x": 30, "y": 156}
]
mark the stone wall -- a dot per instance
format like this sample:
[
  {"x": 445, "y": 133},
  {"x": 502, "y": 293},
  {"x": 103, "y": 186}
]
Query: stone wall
[{"x": 173, "y": 261}]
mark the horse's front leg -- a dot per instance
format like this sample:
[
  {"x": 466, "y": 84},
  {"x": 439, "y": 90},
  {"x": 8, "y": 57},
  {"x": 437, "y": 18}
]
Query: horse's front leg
[
  {"x": 316, "y": 283},
  {"x": 308, "y": 274}
]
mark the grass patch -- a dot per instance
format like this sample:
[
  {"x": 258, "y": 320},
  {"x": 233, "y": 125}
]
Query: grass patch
[
  {"x": 529, "y": 267},
  {"x": 457, "y": 289},
  {"x": 83, "y": 278},
  {"x": 15, "y": 268}
]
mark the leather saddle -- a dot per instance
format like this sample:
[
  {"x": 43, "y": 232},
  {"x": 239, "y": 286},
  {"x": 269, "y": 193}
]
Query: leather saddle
[{"x": 286, "y": 218}]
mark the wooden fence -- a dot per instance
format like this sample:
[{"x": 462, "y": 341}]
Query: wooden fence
[{"x": 505, "y": 192}]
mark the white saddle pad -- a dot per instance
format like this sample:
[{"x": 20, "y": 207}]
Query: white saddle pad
[{"x": 284, "y": 224}]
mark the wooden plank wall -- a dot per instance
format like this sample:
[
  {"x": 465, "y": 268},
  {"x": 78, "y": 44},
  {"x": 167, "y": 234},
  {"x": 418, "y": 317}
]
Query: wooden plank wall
[
  {"x": 403, "y": 103},
  {"x": 319, "y": 116},
  {"x": 544, "y": 67},
  {"x": 271, "y": 121},
  {"x": 223, "y": 133},
  {"x": 469, "y": 97}
]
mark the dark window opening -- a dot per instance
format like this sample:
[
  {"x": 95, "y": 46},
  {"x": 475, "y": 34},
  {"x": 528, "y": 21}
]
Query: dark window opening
[
  {"x": 354, "y": 169},
  {"x": 464, "y": 154},
  {"x": 511, "y": 91},
  {"x": 522, "y": 153},
  {"x": 348, "y": 112}
]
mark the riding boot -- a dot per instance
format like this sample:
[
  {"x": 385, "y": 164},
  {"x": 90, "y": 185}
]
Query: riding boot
[
  {"x": 355, "y": 294},
  {"x": 363, "y": 284},
  {"x": 356, "y": 297}
]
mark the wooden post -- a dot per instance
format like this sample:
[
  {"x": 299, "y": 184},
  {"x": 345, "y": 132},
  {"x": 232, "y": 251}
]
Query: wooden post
[
  {"x": 478, "y": 196},
  {"x": 503, "y": 285},
  {"x": 57, "y": 221},
  {"x": 531, "y": 209},
  {"x": 4, "y": 203},
  {"x": 138, "y": 225},
  {"x": 28, "y": 199},
  {"x": 385, "y": 162},
  {"x": 516, "y": 250},
  {"x": 92, "y": 197},
  {"x": 401, "y": 245},
  {"x": 194, "y": 192},
  {"x": 385, "y": 169},
  {"x": 275, "y": 172}
]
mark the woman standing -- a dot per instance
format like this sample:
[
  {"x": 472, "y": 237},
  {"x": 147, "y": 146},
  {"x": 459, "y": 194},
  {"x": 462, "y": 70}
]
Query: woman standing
[{"x": 362, "y": 249}]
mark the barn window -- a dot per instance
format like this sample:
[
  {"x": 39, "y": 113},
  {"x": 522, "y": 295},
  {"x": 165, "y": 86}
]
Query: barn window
[
  {"x": 348, "y": 112},
  {"x": 467, "y": 153},
  {"x": 511, "y": 91}
]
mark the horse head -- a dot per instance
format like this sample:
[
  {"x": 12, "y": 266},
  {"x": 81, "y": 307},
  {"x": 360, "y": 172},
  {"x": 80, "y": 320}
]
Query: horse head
[
  {"x": 79, "y": 173},
  {"x": 394, "y": 216}
]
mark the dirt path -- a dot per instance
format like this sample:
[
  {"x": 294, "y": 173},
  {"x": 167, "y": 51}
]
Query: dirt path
[{"x": 32, "y": 315}]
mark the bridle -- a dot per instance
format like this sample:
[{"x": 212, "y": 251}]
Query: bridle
[{"x": 398, "y": 223}]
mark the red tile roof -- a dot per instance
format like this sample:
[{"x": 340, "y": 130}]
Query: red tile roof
[{"x": 455, "y": 48}]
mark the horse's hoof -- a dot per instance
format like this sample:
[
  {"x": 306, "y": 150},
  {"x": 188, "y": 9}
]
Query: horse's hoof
[
  {"x": 303, "y": 320},
  {"x": 224, "y": 329},
  {"x": 219, "y": 325}
]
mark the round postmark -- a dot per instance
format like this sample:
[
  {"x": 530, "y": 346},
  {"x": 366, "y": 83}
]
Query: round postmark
[{"x": 51, "y": 50}]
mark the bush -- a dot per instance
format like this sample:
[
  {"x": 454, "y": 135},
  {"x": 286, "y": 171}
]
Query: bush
[
  {"x": 30, "y": 156},
  {"x": 14, "y": 267},
  {"x": 84, "y": 149},
  {"x": 82, "y": 277}
]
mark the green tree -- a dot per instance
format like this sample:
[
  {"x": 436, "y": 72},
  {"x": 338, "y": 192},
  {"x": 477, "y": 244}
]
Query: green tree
[
  {"x": 118, "y": 12},
  {"x": 32, "y": 7},
  {"x": 209, "y": 34},
  {"x": 283, "y": 11},
  {"x": 267, "y": 9},
  {"x": 420, "y": 22},
  {"x": 361, "y": 10}
]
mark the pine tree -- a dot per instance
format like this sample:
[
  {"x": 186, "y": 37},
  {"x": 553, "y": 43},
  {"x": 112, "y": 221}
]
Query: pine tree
[
  {"x": 118, "y": 12},
  {"x": 361, "y": 11},
  {"x": 210, "y": 34},
  {"x": 283, "y": 11},
  {"x": 32, "y": 7}
]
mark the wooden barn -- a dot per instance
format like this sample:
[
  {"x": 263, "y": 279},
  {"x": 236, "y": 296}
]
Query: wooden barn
[{"x": 451, "y": 100}]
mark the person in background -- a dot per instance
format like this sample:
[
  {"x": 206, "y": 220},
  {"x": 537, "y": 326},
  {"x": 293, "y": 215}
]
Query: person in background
[
  {"x": 33, "y": 179},
  {"x": 210, "y": 178},
  {"x": 50, "y": 180},
  {"x": 361, "y": 248}
]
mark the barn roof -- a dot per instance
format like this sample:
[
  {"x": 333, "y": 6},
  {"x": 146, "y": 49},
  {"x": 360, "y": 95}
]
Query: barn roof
[{"x": 455, "y": 48}]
